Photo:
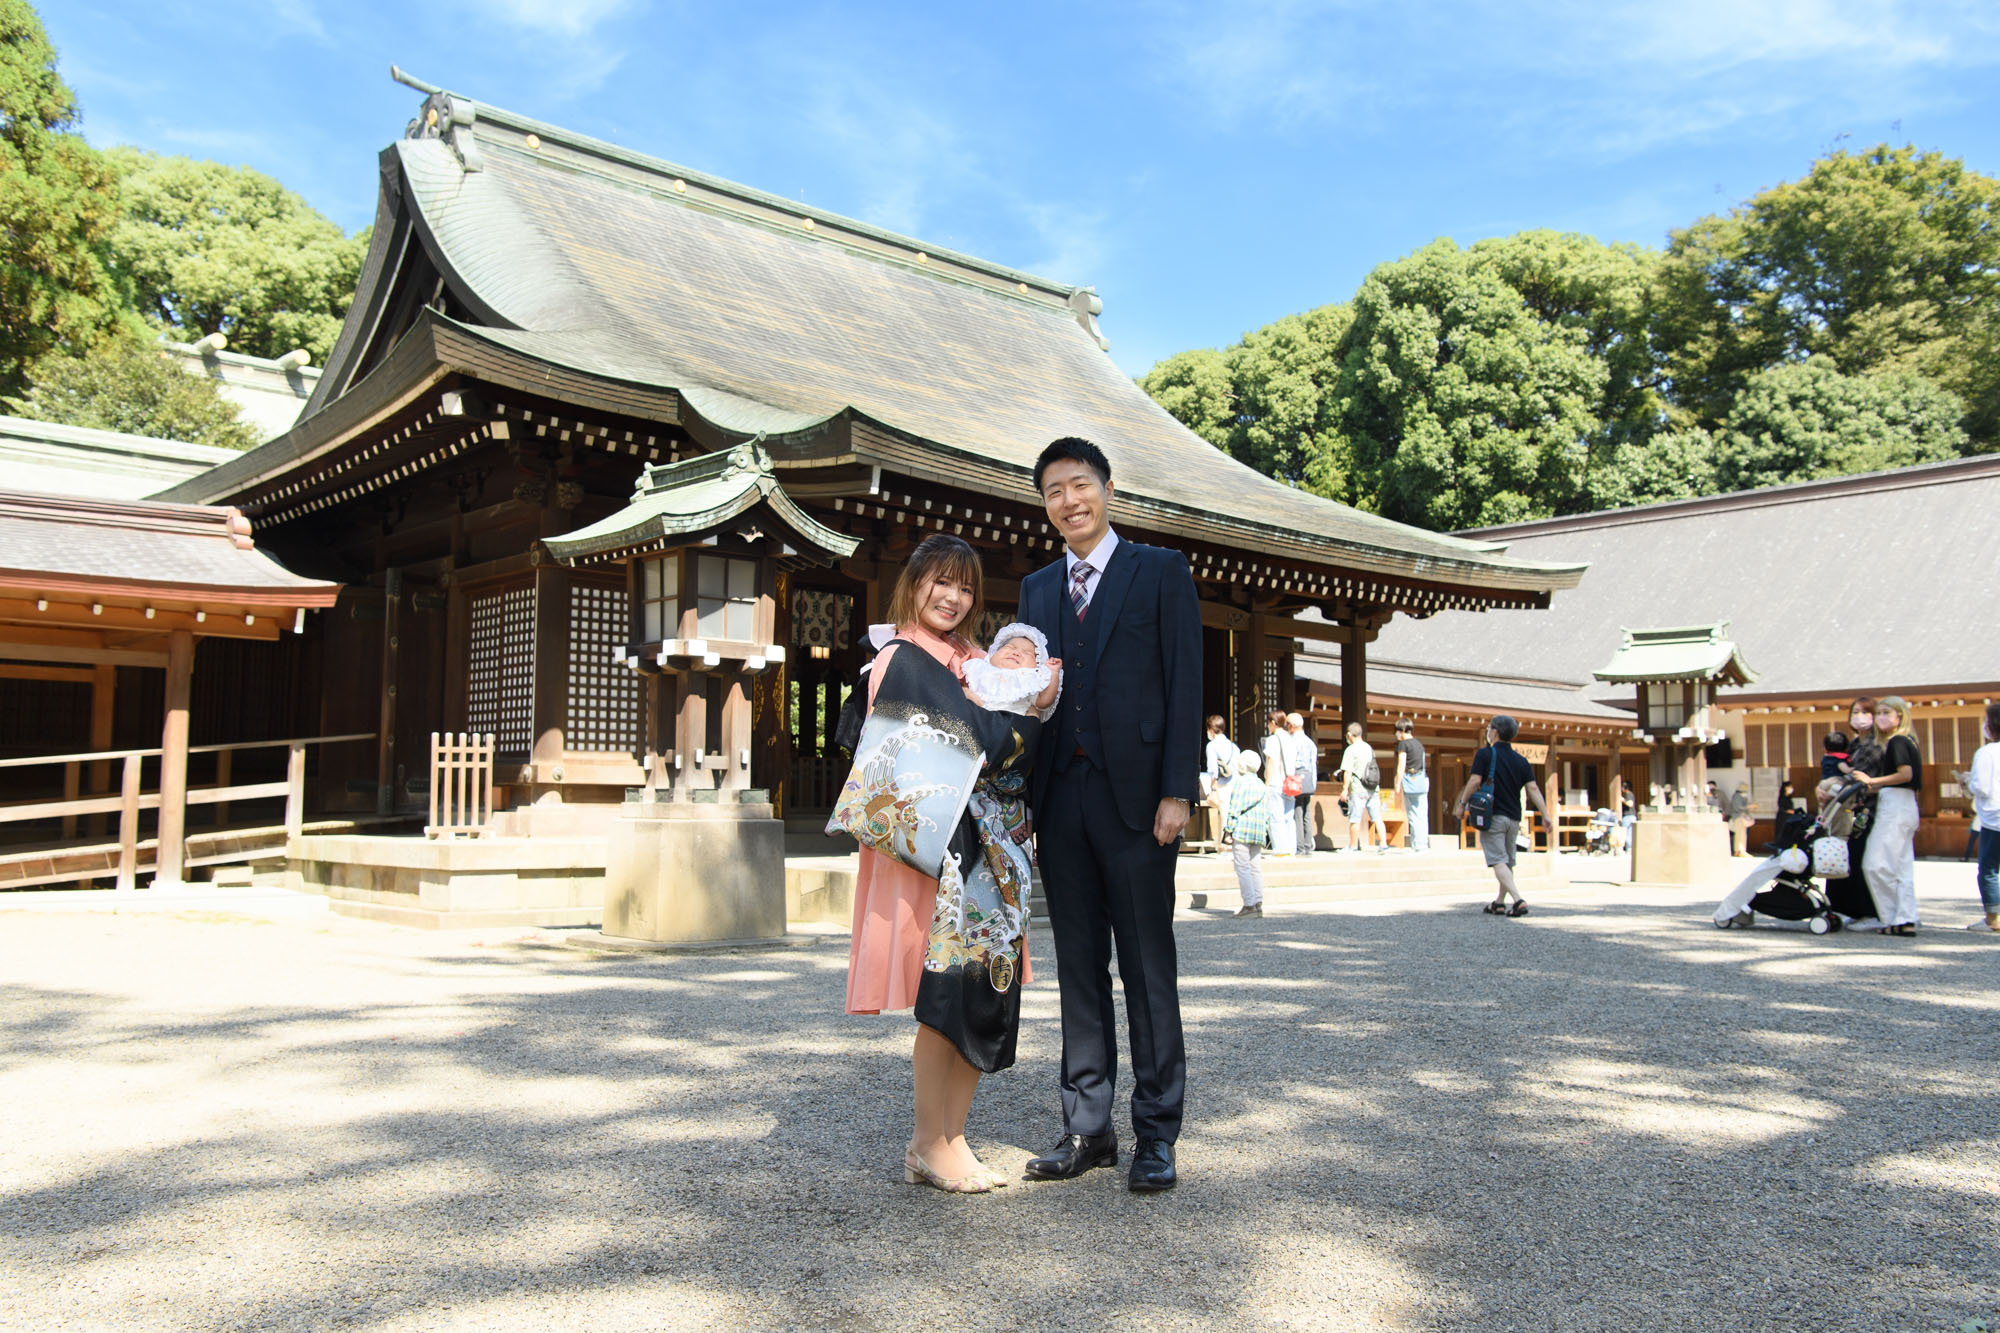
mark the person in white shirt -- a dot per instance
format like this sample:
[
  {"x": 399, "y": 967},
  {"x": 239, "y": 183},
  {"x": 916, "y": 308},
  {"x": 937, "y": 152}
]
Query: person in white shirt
[
  {"x": 1219, "y": 757},
  {"x": 1364, "y": 799},
  {"x": 1984, "y": 779},
  {"x": 1218, "y": 767},
  {"x": 1277, "y": 764},
  {"x": 1302, "y": 762}
]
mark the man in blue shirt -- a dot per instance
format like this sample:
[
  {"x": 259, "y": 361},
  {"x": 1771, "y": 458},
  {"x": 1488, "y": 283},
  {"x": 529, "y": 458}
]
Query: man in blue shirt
[{"x": 1509, "y": 775}]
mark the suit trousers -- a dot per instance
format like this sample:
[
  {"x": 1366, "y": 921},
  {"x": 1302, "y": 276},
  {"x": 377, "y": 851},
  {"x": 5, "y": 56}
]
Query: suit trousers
[{"x": 1106, "y": 882}]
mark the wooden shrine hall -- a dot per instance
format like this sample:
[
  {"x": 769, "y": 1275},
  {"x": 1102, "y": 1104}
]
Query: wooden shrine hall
[
  {"x": 103, "y": 605},
  {"x": 543, "y": 316}
]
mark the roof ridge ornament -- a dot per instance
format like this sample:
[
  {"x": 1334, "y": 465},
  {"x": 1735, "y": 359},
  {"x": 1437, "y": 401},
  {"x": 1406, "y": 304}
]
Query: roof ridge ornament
[
  {"x": 1087, "y": 306},
  {"x": 444, "y": 116}
]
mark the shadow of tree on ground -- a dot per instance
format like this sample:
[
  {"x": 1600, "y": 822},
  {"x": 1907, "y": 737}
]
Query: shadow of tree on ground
[{"x": 1605, "y": 1116}]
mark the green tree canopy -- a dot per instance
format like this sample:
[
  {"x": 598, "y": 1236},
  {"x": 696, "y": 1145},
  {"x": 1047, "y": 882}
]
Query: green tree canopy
[
  {"x": 1460, "y": 407},
  {"x": 216, "y": 249},
  {"x": 58, "y": 201},
  {"x": 1888, "y": 259},
  {"x": 1801, "y": 422},
  {"x": 129, "y": 384}
]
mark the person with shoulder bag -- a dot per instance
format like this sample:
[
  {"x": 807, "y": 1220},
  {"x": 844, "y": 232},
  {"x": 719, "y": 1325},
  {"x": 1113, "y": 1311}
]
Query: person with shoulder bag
[
  {"x": 1246, "y": 826},
  {"x": 1491, "y": 803},
  {"x": 1360, "y": 788}
]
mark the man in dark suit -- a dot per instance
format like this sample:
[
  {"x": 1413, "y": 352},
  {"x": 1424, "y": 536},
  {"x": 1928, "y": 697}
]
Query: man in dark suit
[{"x": 1113, "y": 784}]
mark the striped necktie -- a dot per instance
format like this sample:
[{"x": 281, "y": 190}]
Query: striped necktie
[{"x": 1079, "y": 589}]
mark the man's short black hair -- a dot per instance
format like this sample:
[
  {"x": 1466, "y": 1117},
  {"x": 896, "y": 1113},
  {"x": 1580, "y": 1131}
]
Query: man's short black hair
[
  {"x": 1506, "y": 728},
  {"x": 1082, "y": 450},
  {"x": 1404, "y": 724}
]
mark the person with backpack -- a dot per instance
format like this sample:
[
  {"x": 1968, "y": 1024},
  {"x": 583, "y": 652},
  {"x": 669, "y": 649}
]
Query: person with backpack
[
  {"x": 1361, "y": 789},
  {"x": 1491, "y": 801},
  {"x": 1246, "y": 826}
]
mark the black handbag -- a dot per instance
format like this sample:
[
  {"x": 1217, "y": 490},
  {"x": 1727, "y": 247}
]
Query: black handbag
[
  {"x": 980, "y": 1017},
  {"x": 1479, "y": 805}
]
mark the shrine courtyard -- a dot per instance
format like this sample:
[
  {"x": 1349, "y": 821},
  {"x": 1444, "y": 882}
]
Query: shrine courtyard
[{"x": 1608, "y": 1115}]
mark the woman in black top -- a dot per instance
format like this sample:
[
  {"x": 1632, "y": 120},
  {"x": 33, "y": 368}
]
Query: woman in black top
[
  {"x": 1849, "y": 894},
  {"x": 1890, "y": 863}
]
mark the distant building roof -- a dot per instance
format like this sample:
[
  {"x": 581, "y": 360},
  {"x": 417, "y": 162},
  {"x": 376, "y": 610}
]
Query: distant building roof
[
  {"x": 1869, "y": 582},
  {"x": 744, "y": 314},
  {"x": 108, "y": 464},
  {"x": 268, "y": 394},
  {"x": 1392, "y": 684}
]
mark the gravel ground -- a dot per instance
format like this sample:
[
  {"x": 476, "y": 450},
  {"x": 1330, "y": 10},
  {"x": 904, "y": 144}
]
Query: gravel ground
[{"x": 1607, "y": 1115}]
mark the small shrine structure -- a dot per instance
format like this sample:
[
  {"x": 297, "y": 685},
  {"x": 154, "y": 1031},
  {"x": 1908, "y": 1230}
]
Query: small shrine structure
[
  {"x": 1679, "y": 838},
  {"x": 697, "y": 855}
]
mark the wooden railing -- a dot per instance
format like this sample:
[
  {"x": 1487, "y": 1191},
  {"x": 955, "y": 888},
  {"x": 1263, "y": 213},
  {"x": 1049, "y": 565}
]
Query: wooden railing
[
  {"x": 461, "y": 785},
  {"x": 131, "y": 800}
]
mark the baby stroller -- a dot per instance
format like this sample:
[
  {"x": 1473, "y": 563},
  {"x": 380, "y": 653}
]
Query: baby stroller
[
  {"x": 1788, "y": 885},
  {"x": 1597, "y": 835}
]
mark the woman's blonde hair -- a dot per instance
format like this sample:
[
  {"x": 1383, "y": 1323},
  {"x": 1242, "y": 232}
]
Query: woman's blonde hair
[
  {"x": 1902, "y": 712},
  {"x": 940, "y": 557}
]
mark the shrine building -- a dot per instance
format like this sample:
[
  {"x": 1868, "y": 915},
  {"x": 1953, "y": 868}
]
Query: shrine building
[{"x": 543, "y": 317}]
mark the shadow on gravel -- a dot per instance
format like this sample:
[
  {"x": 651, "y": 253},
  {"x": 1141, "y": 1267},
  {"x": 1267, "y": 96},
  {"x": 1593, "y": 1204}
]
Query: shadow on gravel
[{"x": 1600, "y": 1117}]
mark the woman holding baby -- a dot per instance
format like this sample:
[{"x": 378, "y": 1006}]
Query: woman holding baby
[{"x": 903, "y": 927}]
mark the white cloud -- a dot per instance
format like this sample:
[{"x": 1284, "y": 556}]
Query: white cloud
[
  {"x": 556, "y": 18},
  {"x": 299, "y": 16},
  {"x": 1581, "y": 75}
]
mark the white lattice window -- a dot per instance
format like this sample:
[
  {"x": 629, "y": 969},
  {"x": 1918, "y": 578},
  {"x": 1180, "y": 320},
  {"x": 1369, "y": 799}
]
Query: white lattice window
[
  {"x": 501, "y": 696},
  {"x": 726, "y": 597},
  {"x": 603, "y": 691}
]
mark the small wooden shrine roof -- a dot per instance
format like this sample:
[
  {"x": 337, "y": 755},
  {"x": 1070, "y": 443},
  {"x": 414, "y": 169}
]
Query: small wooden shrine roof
[
  {"x": 579, "y": 269},
  {"x": 1693, "y": 652},
  {"x": 679, "y": 502},
  {"x": 71, "y": 553}
]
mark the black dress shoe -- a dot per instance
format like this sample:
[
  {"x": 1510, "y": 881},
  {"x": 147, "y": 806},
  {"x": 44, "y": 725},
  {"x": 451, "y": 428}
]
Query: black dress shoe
[
  {"x": 1152, "y": 1167},
  {"x": 1074, "y": 1155}
]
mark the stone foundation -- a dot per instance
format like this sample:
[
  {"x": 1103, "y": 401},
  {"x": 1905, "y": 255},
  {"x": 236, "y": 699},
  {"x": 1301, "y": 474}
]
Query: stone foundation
[
  {"x": 685, "y": 871},
  {"x": 461, "y": 883}
]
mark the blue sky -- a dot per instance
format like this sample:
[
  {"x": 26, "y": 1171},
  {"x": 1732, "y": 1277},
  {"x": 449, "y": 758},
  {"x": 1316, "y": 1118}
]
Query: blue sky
[{"x": 1209, "y": 167}]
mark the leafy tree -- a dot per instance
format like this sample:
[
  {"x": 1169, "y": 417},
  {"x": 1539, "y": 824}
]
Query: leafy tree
[
  {"x": 1883, "y": 260},
  {"x": 1460, "y": 407},
  {"x": 1800, "y": 422},
  {"x": 1196, "y": 389},
  {"x": 1570, "y": 281},
  {"x": 210, "y": 248},
  {"x": 1288, "y": 377},
  {"x": 128, "y": 384},
  {"x": 58, "y": 200}
]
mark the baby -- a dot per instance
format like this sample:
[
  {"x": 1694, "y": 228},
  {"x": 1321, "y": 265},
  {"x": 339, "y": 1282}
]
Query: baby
[{"x": 1017, "y": 674}]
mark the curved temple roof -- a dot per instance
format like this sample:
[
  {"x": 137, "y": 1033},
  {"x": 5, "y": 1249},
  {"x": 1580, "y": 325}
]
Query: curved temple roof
[{"x": 771, "y": 318}]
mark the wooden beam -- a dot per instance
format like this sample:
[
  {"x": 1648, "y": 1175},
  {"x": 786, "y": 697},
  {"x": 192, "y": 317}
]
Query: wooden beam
[
  {"x": 1217, "y": 615},
  {"x": 74, "y": 675},
  {"x": 220, "y": 618},
  {"x": 58, "y": 652}
]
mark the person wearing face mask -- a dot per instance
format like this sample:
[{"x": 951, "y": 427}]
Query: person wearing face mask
[
  {"x": 1890, "y": 861},
  {"x": 1849, "y": 894}
]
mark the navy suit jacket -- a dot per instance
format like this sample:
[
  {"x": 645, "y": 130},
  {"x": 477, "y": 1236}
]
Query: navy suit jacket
[{"x": 1144, "y": 626}]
